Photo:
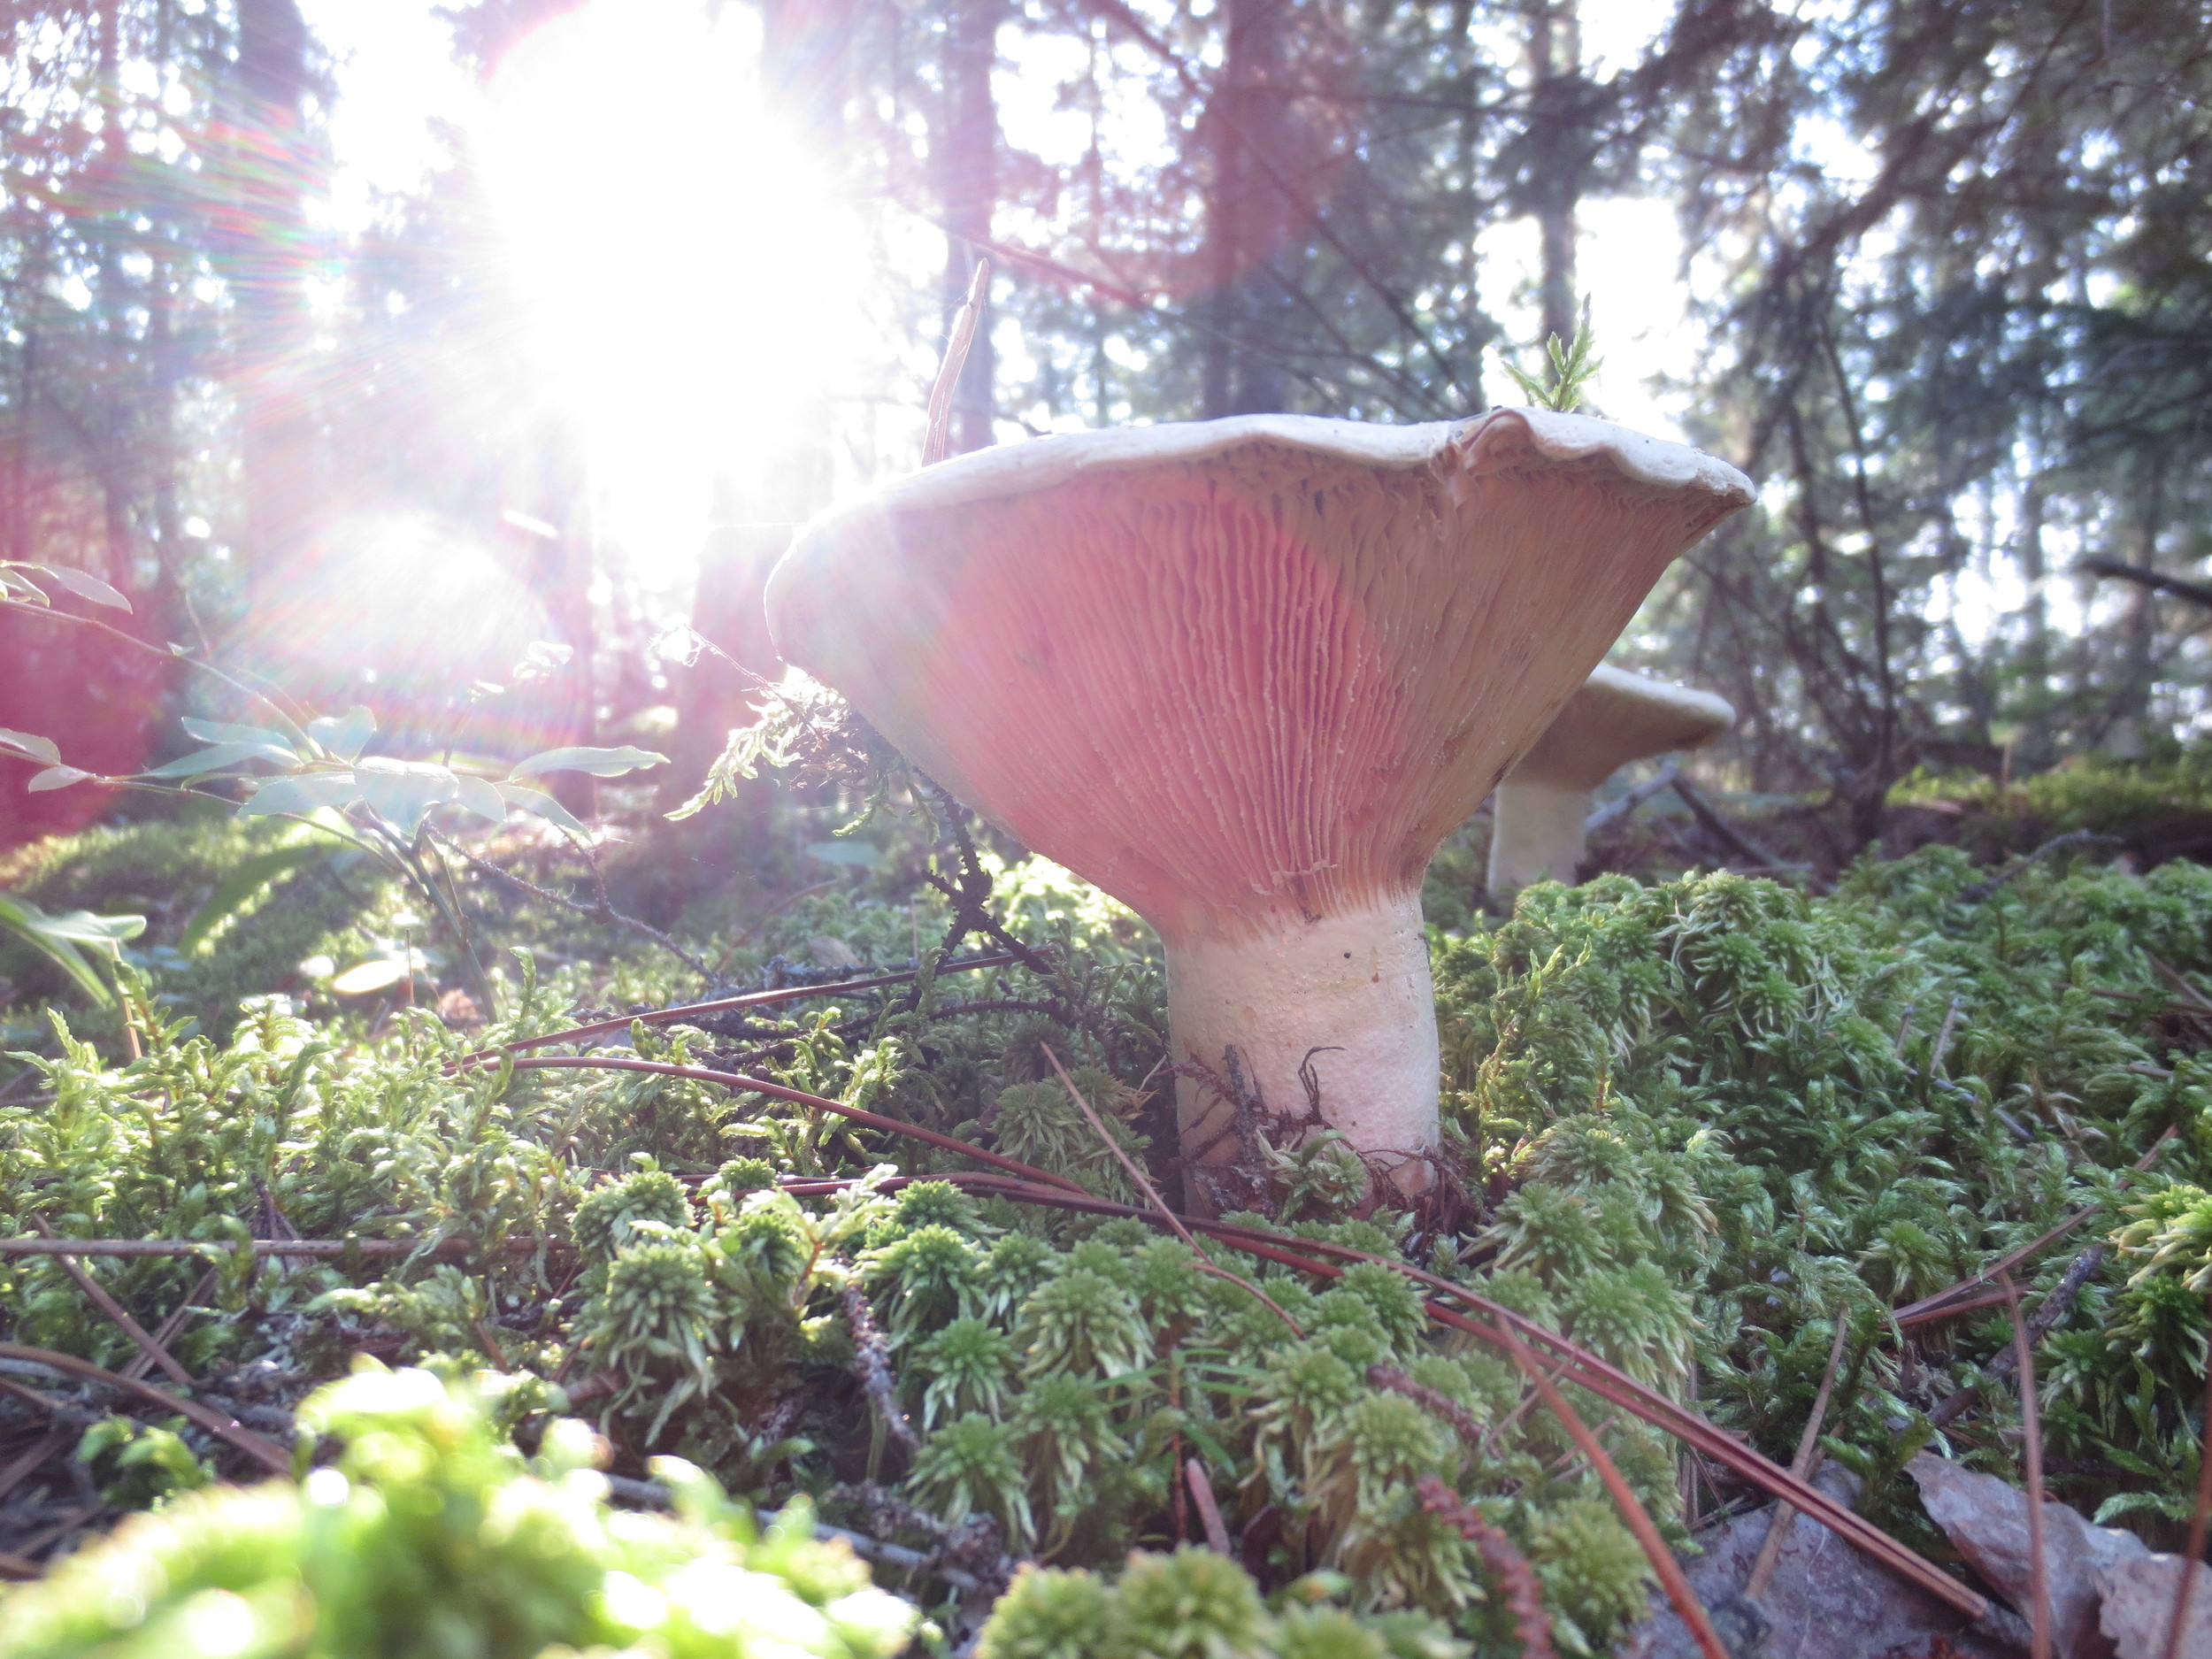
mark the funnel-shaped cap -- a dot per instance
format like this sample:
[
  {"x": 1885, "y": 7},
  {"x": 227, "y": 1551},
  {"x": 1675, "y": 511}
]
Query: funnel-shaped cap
[
  {"x": 1615, "y": 718},
  {"x": 1249, "y": 672}
]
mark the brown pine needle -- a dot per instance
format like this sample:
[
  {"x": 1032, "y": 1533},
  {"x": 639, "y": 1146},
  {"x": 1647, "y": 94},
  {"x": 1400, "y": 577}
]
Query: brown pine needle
[
  {"x": 1201, "y": 1494},
  {"x": 115, "y": 1310},
  {"x": 2199, "y": 1522},
  {"x": 1145, "y": 1186},
  {"x": 1800, "y": 1465},
  {"x": 2031, "y": 1454}
]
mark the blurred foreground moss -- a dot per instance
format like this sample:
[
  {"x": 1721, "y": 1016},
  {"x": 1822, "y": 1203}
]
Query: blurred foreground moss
[{"x": 432, "y": 1538}]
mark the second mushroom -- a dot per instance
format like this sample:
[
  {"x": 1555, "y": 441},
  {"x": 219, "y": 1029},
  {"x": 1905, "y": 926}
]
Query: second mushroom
[
  {"x": 1536, "y": 831},
  {"x": 1245, "y": 675}
]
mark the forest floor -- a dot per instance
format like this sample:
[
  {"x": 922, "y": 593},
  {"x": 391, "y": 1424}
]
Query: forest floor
[{"x": 1768, "y": 1172}]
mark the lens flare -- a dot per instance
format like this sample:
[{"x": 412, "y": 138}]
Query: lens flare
[{"x": 690, "y": 274}]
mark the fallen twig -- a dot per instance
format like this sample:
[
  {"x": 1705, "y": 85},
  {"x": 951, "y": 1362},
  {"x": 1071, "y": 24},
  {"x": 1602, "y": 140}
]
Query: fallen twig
[
  {"x": 602, "y": 910},
  {"x": 2048, "y": 1314},
  {"x": 1706, "y": 814},
  {"x": 777, "y": 1091},
  {"x": 750, "y": 999},
  {"x": 1982, "y": 890},
  {"x": 270, "y": 1455},
  {"x": 1939, "y": 1306},
  {"x": 114, "y": 1310},
  {"x": 1624, "y": 804},
  {"x": 872, "y": 1364}
]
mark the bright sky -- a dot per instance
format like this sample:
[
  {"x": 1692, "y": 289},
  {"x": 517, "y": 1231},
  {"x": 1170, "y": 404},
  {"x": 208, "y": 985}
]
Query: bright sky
[{"x": 685, "y": 368}]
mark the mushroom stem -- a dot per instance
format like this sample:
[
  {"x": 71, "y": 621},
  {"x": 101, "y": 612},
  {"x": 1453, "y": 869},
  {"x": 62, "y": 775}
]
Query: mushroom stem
[
  {"x": 1535, "y": 834},
  {"x": 1350, "y": 992}
]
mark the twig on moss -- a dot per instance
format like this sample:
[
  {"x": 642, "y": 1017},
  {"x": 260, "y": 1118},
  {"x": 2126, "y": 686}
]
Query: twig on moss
[
  {"x": 1503, "y": 1559},
  {"x": 115, "y": 1310},
  {"x": 745, "y": 1083},
  {"x": 2052, "y": 1310},
  {"x": 1943, "y": 1305},
  {"x": 1981, "y": 890},
  {"x": 871, "y": 1363},
  {"x": 267, "y": 1453}
]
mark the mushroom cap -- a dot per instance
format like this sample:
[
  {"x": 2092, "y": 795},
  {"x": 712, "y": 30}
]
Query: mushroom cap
[
  {"x": 1248, "y": 670},
  {"x": 1615, "y": 718}
]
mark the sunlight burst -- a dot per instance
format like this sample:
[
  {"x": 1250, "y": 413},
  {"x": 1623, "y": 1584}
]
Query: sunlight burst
[{"x": 691, "y": 274}]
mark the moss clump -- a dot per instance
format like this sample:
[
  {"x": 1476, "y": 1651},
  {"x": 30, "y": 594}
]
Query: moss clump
[{"x": 431, "y": 1534}]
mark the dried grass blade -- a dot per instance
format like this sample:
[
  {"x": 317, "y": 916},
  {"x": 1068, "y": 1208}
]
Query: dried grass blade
[{"x": 1201, "y": 1494}]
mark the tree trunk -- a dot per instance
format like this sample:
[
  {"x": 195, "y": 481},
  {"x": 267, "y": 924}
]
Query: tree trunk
[
  {"x": 966, "y": 158},
  {"x": 1247, "y": 124},
  {"x": 1555, "y": 60},
  {"x": 269, "y": 170}
]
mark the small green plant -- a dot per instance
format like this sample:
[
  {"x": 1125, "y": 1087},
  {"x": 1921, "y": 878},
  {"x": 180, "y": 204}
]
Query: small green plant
[{"x": 1572, "y": 366}]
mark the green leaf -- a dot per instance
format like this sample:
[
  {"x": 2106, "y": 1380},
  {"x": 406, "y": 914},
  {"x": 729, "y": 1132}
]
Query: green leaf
[
  {"x": 855, "y": 855},
  {"x": 205, "y": 762},
  {"x": 600, "y": 762},
  {"x": 405, "y": 792},
  {"x": 58, "y": 778},
  {"x": 300, "y": 796},
  {"x": 57, "y": 938},
  {"x": 244, "y": 883},
  {"x": 216, "y": 732},
  {"x": 481, "y": 796},
  {"x": 344, "y": 736},
  {"x": 31, "y": 746},
  {"x": 373, "y": 975},
  {"x": 539, "y": 804},
  {"x": 84, "y": 585},
  {"x": 16, "y": 586}
]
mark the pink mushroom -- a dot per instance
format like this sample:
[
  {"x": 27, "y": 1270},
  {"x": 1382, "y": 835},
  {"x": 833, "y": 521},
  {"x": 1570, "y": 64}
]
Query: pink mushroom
[
  {"x": 1536, "y": 828},
  {"x": 1245, "y": 675}
]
